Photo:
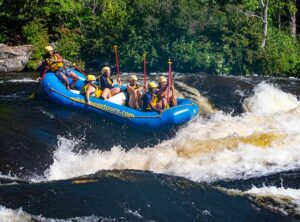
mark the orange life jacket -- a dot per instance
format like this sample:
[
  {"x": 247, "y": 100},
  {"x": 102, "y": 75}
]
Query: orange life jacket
[{"x": 54, "y": 66}]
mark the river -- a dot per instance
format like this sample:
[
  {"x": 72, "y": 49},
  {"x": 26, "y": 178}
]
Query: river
[{"x": 239, "y": 160}]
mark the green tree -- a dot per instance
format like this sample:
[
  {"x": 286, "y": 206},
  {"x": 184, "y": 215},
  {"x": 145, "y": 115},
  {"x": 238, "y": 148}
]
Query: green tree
[{"x": 36, "y": 34}]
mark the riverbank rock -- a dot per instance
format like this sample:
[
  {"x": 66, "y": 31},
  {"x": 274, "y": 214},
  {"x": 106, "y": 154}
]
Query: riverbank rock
[{"x": 14, "y": 58}]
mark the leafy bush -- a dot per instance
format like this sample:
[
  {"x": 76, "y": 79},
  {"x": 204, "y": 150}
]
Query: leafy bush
[
  {"x": 3, "y": 38},
  {"x": 37, "y": 35},
  {"x": 219, "y": 37},
  {"x": 281, "y": 54},
  {"x": 69, "y": 44}
]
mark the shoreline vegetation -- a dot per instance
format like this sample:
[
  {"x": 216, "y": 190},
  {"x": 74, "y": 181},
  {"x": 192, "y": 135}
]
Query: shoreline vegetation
[{"x": 242, "y": 37}]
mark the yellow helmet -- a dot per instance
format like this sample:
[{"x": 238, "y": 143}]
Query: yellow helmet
[
  {"x": 152, "y": 85},
  {"x": 105, "y": 69},
  {"x": 49, "y": 48},
  {"x": 162, "y": 79},
  {"x": 90, "y": 78},
  {"x": 132, "y": 78}
]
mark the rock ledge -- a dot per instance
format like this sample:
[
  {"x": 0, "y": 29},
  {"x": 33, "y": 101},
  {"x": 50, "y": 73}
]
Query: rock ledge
[{"x": 14, "y": 58}]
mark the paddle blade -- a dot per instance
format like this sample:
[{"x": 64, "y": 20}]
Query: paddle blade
[{"x": 32, "y": 96}]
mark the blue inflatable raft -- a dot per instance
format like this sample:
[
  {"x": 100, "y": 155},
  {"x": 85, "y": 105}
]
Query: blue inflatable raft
[{"x": 149, "y": 121}]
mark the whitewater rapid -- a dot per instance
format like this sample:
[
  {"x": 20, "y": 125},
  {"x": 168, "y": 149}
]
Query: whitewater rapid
[
  {"x": 19, "y": 215},
  {"x": 263, "y": 140},
  {"x": 283, "y": 200}
]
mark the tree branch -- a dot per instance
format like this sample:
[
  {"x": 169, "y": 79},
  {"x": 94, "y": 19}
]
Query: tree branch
[
  {"x": 262, "y": 4},
  {"x": 249, "y": 15}
]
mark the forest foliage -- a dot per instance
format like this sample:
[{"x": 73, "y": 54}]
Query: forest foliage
[{"x": 216, "y": 37}]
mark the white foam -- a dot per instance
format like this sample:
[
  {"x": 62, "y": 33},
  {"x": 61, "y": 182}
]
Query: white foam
[
  {"x": 18, "y": 215},
  {"x": 276, "y": 191},
  {"x": 287, "y": 200},
  {"x": 10, "y": 215},
  {"x": 18, "y": 80},
  {"x": 256, "y": 143},
  {"x": 268, "y": 100},
  {"x": 9, "y": 179}
]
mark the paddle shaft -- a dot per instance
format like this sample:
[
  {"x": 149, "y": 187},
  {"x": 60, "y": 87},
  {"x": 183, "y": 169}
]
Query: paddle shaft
[
  {"x": 80, "y": 70},
  {"x": 39, "y": 82},
  {"x": 117, "y": 64},
  {"x": 145, "y": 72},
  {"x": 169, "y": 80}
]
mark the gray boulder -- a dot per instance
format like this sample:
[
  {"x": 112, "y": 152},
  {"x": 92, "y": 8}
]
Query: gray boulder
[{"x": 14, "y": 58}]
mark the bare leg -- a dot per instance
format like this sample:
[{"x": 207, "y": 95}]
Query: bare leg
[
  {"x": 173, "y": 101},
  {"x": 106, "y": 94},
  {"x": 140, "y": 101},
  {"x": 87, "y": 94},
  {"x": 75, "y": 79},
  {"x": 133, "y": 100},
  {"x": 65, "y": 80},
  {"x": 115, "y": 91},
  {"x": 164, "y": 103}
]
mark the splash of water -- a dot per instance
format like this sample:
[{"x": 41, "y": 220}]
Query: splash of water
[
  {"x": 282, "y": 200},
  {"x": 18, "y": 80},
  {"x": 268, "y": 100},
  {"x": 19, "y": 215},
  {"x": 262, "y": 141},
  {"x": 189, "y": 92}
]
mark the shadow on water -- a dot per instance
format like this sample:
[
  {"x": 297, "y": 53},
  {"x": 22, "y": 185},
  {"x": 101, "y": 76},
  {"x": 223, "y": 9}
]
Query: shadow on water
[{"x": 132, "y": 196}]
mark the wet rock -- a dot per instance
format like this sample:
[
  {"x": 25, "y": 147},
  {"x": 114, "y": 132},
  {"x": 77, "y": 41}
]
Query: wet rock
[{"x": 14, "y": 58}]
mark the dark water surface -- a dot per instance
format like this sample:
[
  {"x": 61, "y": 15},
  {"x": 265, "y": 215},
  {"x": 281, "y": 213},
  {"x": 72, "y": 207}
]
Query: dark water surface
[{"x": 60, "y": 163}]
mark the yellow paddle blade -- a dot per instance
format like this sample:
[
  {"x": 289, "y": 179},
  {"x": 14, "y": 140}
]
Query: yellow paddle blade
[
  {"x": 81, "y": 181},
  {"x": 32, "y": 96}
]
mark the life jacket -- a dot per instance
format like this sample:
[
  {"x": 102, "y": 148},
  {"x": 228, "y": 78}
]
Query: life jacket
[
  {"x": 109, "y": 80},
  {"x": 153, "y": 100},
  {"x": 134, "y": 87},
  {"x": 97, "y": 92},
  {"x": 107, "y": 84},
  {"x": 54, "y": 66}
]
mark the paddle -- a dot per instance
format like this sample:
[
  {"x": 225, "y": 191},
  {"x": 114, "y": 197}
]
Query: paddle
[
  {"x": 172, "y": 85},
  {"x": 32, "y": 96},
  {"x": 117, "y": 64},
  {"x": 169, "y": 79},
  {"x": 79, "y": 69},
  {"x": 145, "y": 72}
]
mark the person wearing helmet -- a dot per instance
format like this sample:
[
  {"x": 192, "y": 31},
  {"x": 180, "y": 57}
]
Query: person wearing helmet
[
  {"x": 135, "y": 93},
  {"x": 55, "y": 64},
  {"x": 90, "y": 89},
  {"x": 150, "y": 99},
  {"x": 162, "y": 92},
  {"x": 106, "y": 84}
]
